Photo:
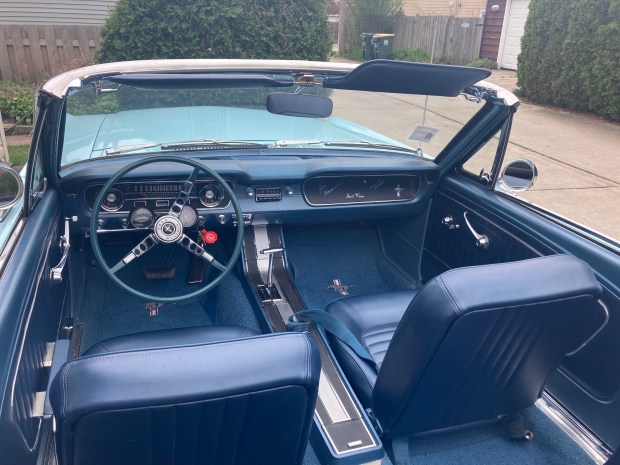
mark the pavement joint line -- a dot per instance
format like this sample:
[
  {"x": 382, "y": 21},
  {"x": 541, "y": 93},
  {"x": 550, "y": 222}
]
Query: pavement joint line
[
  {"x": 574, "y": 188},
  {"x": 615, "y": 183}
]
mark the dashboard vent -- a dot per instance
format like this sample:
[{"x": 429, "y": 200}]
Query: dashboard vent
[
  {"x": 216, "y": 158},
  {"x": 306, "y": 157}
]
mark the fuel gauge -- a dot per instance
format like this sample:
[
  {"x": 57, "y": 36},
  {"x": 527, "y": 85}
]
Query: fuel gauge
[{"x": 113, "y": 201}]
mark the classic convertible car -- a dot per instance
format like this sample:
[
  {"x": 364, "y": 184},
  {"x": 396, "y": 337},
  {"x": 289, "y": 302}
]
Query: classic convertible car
[{"x": 280, "y": 262}]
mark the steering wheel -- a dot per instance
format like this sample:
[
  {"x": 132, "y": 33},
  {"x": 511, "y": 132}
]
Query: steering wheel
[{"x": 167, "y": 229}]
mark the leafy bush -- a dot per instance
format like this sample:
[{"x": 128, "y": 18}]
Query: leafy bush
[
  {"x": 570, "y": 53},
  {"x": 415, "y": 54},
  {"x": 16, "y": 100},
  {"x": 277, "y": 29},
  {"x": 483, "y": 63}
]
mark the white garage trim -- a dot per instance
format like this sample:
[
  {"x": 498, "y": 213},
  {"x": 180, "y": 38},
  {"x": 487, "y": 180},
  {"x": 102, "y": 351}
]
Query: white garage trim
[{"x": 501, "y": 59}]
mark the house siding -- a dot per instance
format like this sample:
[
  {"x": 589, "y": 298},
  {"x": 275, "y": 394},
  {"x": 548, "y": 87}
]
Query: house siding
[
  {"x": 492, "y": 30},
  {"x": 55, "y": 12},
  {"x": 462, "y": 9}
]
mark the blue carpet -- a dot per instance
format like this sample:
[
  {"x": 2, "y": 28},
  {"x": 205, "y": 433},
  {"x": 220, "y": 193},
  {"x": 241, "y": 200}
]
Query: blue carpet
[
  {"x": 487, "y": 445},
  {"x": 108, "y": 311},
  {"x": 351, "y": 254}
]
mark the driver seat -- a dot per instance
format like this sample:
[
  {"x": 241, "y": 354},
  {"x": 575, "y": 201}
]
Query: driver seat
[{"x": 203, "y": 395}]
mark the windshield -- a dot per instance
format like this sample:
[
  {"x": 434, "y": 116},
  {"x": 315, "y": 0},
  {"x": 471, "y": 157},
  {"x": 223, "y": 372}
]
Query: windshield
[{"x": 114, "y": 119}]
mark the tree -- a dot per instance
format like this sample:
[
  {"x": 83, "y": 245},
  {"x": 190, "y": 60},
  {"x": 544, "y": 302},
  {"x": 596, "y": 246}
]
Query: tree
[{"x": 276, "y": 29}]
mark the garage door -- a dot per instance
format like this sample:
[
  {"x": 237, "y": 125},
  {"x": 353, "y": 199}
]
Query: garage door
[{"x": 514, "y": 24}]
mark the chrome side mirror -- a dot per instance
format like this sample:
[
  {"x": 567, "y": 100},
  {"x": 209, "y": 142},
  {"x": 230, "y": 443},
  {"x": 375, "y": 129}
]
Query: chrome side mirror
[
  {"x": 11, "y": 187},
  {"x": 519, "y": 175}
]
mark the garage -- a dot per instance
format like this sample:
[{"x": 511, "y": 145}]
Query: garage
[{"x": 512, "y": 31}]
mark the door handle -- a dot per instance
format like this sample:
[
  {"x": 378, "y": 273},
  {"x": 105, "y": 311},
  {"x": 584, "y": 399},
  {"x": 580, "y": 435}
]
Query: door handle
[
  {"x": 65, "y": 245},
  {"x": 482, "y": 241}
]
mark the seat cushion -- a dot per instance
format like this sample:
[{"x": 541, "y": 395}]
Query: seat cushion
[
  {"x": 169, "y": 338},
  {"x": 372, "y": 318}
]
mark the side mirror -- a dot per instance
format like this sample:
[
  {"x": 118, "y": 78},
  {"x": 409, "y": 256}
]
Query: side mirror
[
  {"x": 519, "y": 175},
  {"x": 11, "y": 187}
]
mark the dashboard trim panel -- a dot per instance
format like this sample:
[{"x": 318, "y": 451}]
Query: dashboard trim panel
[{"x": 417, "y": 179}]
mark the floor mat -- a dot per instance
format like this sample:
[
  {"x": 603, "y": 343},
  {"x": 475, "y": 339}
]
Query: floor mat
[{"x": 323, "y": 259}]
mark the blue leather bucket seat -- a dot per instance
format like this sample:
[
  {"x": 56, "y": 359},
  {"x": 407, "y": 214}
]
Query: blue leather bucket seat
[
  {"x": 472, "y": 344},
  {"x": 207, "y": 395}
]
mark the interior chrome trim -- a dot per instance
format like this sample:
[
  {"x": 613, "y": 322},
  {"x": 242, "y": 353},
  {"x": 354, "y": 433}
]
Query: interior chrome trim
[
  {"x": 331, "y": 401},
  {"x": 574, "y": 428},
  {"x": 596, "y": 333}
]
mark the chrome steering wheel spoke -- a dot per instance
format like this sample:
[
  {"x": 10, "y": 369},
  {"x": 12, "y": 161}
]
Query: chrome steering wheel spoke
[
  {"x": 183, "y": 196},
  {"x": 199, "y": 251},
  {"x": 144, "y": 246}
]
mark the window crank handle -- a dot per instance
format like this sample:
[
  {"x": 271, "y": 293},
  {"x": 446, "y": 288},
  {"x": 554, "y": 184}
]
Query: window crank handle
[{"x": 482, "y": 240}]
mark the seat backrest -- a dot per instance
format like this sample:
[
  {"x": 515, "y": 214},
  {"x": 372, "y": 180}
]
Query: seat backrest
[
  {"x": 482, "y": 341},
  {"x": 244, "y": 401}
]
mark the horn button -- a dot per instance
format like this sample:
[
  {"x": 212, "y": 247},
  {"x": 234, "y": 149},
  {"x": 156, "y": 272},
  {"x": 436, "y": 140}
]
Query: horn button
[{"x": 168, "y": 229}]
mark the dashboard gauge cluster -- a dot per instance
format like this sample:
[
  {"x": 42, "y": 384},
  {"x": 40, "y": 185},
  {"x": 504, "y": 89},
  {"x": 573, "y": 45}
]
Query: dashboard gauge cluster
[
  {"x": 158, "y": 195},
  {"x": 143, "y": 202}
]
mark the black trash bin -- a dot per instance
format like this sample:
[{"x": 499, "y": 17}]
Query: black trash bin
[
  {"x": 368, "y": 49},
  {"x": 382, "y": 45}
]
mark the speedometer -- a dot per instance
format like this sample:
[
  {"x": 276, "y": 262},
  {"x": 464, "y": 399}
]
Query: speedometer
[
  {"x": 113, "y": 201},
  {"x": 141, "y": 218}
]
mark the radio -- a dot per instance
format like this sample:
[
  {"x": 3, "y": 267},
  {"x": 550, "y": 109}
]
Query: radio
[{"x": 268, "y": 194}]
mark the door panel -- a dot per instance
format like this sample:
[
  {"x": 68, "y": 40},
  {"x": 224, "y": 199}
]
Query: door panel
[
  {"x": 588, "y": 382},
  {"x": 30, "y": 311}
]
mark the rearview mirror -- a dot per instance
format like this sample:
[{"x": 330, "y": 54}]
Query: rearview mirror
[
  {"x": 11, "y": 187},
  {"x": 305, "y": 106},
  {"x": 519, "y": 175}
]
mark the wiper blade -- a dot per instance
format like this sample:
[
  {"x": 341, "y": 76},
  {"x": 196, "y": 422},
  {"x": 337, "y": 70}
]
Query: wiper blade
[
  {"x": 373, "y": 145},
  {"x": 189, "y": 146},
  {"x": 129, "y": 148},
  {"x": 209, "y": 144},
  {"x": 361, "y": 143}
]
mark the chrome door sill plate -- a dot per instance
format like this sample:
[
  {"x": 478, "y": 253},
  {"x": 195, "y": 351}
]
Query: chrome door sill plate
[{"x": 571, "y": 426}]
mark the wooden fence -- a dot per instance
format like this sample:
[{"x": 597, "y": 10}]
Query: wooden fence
[
  {"x": 4, "y": 149},
  {"x": 457, "y": 40},
  {"x": 35, "y": 53}
]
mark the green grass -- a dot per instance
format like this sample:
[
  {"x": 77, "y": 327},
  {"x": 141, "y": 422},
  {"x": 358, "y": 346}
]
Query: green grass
[{"x": 18, "y": 154}]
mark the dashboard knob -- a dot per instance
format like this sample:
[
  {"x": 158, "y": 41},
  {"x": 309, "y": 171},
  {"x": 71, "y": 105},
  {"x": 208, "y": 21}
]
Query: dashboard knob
[
  {"x": 288, "y": 190},
  {"x": 250, "y": 192},
  {"x": 221, "y": 219}
]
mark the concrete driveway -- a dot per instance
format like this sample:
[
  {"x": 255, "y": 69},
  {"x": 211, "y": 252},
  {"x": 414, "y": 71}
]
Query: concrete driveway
[
  {"x": 577, "y": 156},
  {"x": 578, "y": 160}
]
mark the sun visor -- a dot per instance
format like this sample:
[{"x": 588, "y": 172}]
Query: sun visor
[
  {"x": 165, "y": 81},
  {"x": 408, "y": 78}
]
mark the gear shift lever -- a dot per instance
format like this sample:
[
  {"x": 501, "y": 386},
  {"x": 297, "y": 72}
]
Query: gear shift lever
[{"x": 270, "y": 292}]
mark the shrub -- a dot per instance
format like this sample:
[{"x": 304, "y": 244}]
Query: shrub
[
  {"x": 604, "y": 81},
  {"x": 483, "y": 63},
  {"x": 277, "y": 29},
  {"x": 570, "y": 53},
  {"x": 16, "y": 100},
  {"x": 415, "y": 54}
]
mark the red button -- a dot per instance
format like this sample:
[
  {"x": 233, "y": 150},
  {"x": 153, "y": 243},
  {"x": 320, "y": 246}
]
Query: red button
[{"x": 210, "y": 237}]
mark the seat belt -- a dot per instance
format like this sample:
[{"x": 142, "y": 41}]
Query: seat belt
[{"x": 334, "y": 326}]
